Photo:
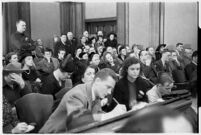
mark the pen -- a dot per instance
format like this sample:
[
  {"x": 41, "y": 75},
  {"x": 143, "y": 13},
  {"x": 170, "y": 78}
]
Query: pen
[{"x": 115, "y": 100}]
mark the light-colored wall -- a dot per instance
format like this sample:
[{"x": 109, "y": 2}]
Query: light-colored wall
[
  {"x": 139, "y": 23},
  {"x": 181, "y": 24},
  {"x": 100, "y": 10},
  {"x": 45, "y": 21}
]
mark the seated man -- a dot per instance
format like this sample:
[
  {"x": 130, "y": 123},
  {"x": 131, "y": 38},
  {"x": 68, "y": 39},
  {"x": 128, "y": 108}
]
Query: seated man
[
  {"x": 14, "y": 87},
  {"x": 81, "y": 99},
  {"x": 164, "y": 86},
  {"x": 177, "y": 68},
  {"x": 61, "y": 55},
  {"x": 55, "y": 81},
  {"x": 192, "y": 67},
  {"x": 163, "y": 65},
  {"x": 48, "y": 64}
]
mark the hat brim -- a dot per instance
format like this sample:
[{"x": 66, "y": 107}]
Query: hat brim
[{"x": 13, "y": 71}]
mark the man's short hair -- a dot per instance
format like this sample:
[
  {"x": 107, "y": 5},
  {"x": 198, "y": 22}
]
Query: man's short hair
[
  {"x": 105, "y": 73},
  {"x": 61, "y": 49},
  {"x": 47, "y": 49},
  {"x": 179, "y": 44},
  {"x": 195, "y": 54},
  {"x": 164, "y": 77},
  {"x": 18, "y": 21}
]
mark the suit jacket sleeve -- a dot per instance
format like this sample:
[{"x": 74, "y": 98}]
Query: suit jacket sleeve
[
  {"x": 27, "y": 89},
  {"x": 189, "y": 70}
]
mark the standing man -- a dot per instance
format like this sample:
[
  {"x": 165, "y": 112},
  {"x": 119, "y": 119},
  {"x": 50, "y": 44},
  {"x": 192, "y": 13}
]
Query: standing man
[
  {"x": 19, "y": 41},
  {"x": 60, "y": 45},
  {"x": 84, "y": 99},
  {"x": 71, "y": 43},
  {"x": 86, "y": 35},
  {"x": 179, "y": 50}
]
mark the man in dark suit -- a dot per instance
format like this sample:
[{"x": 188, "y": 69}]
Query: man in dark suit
[
  {"x": 179, "y": 50},
  {"x": 192, "y": 67},
  {"x": 54, "y": 82},
  {"x": 60, "y": 45},
  {"x": 14, "y": 87},
  {"x": 71, "y": 44},
  {"x": 162, "y": 65},
  {"x": 19, "y": 40}
]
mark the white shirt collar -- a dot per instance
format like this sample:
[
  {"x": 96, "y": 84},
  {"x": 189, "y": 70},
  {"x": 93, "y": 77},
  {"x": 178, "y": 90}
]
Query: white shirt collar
[
  {"x": 93, "y": 95},
  {"x": 194, "y": 63}
]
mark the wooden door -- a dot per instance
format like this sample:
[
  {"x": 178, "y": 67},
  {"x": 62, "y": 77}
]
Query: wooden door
[{"x": 105, "y": 25}]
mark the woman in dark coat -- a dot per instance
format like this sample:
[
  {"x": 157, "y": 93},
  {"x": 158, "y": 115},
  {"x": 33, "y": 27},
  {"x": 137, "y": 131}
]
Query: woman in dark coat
[
  {"x": 158, "y": 51},
  {"x": 131, "y": 89},
  {"x": 30, "y": 74},
  {"x": 111, "y": 41}
]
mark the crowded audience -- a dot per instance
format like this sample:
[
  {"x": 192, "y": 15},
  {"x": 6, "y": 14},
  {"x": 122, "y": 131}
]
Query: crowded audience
[{"x": 78, "y": 71}]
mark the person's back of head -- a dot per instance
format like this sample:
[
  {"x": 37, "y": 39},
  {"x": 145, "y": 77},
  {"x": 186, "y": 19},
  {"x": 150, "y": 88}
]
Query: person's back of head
[
  {"x": 156, "y": 119},
  {"x": 164, "y": 77}
]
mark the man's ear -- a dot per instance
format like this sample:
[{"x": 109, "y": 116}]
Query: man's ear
[
  {"x": 160, "y": 85},
  {"x": 82, "y": 79},
  {"x": 97, "y": 80}
]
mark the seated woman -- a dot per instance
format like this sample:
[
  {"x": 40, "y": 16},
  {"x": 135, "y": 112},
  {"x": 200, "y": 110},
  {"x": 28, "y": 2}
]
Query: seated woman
[
  {"x": 30, "y": 74},
  {"x": 131, "y": 88},
  {"x": 94, "y": 59},
  {"x": 11, "y": 57},
  {"x": 77, "y": 53},
  {"x": 148, "y": 67},
  {"x": 113, "y": 64},
  {"x": 83, "y": 74},
  {"x": 164, "y": 86},
  {"x": 135, "y": 51},
  {"x": 122, "y": 54}
]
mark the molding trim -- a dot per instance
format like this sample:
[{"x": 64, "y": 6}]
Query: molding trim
[{"x": 101, "y": 19}]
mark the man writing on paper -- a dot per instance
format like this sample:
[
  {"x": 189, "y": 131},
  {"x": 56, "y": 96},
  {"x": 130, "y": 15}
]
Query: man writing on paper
[{"x": 84, "y": 99}]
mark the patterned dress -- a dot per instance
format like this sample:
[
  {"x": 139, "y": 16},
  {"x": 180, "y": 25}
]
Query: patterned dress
[{"x": 10, "y": 119}]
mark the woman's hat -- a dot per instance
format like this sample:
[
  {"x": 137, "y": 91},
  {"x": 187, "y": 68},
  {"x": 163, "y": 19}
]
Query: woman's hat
[
  {"x": 24, "y": 54},
  {"x": 112, "y": 33},
  {"x": 159, "y": 46},
  {"x": 68, "y": 64}
]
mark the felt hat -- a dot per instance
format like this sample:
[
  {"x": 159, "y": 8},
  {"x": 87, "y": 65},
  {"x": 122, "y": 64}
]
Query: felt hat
[{"x": 15, "y": 67}]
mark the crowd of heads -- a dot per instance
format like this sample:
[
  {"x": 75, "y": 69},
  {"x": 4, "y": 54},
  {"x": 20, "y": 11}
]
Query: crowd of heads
[{"x": 93, "y": 53}]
